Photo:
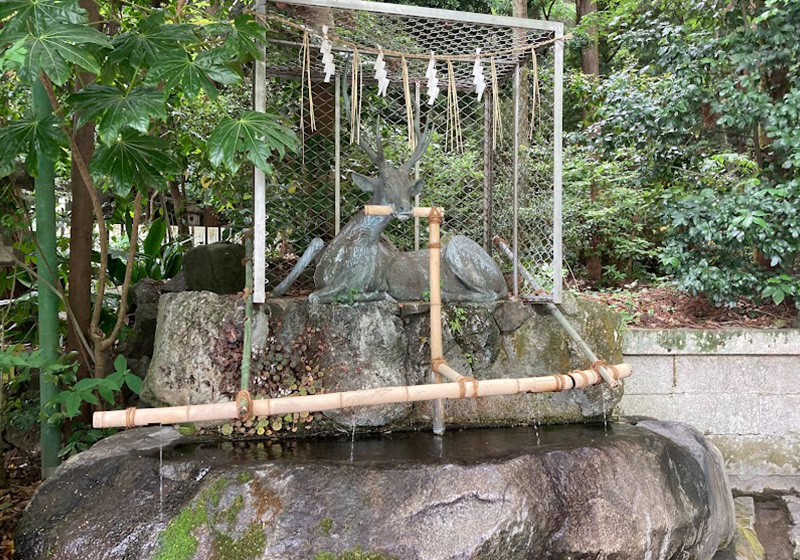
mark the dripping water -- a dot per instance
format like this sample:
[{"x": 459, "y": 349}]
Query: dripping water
[
  {"x": 352, "y": 435},
  {"x": 161, "y": 474},
  {"x": 603, "y": 399},
  {"x": 536, "y": 417}
]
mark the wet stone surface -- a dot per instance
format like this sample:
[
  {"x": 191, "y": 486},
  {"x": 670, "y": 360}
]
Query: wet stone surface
[{"x": 655, "y": 490}]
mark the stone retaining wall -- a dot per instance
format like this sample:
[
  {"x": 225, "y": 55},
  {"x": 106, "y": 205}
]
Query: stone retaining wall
[{"x": 741, "y": 387}]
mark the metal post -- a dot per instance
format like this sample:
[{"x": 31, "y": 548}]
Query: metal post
[
  {"x": 416, "y": 165},
  {"x": 515, "y": 181},
  {"x": 260, "y": 180},
  {"x": 337, "y": 142},
  {"x": 558, "y": 77},
  {"x": 247, "y": 343},
  {"x": 47, "y": 298}
]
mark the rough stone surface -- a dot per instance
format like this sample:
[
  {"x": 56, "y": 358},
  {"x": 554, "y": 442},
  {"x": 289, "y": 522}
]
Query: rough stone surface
[
  {"x": 745, "y": 544},
  {"x": 582, "y": 493},
  {"x": 217, "y": 267},
  {"x": 378, "y": 344},
  {"x": 793, "y": 507}
]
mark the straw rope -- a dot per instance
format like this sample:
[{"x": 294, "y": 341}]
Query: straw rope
[
  {"x": 412, "y": 139},
  {"x": 455, "y": 57},
  {"x": 454, "y": 136},
  {"x": 306, "y": 53},
  {"x": 536, "y": 95},
  {"x": 497, "y": 117}
]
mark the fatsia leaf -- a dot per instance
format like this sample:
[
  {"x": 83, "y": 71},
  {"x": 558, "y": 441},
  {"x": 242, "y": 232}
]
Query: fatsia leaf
[
  {"x": 30, "y": 136},
  {"x": 134, "y": 160},
  {"x": 191, "y": 74},
  {"x": 28, "y": 15},
  {"x": 152, "y": 39},
  {"x": 116, "y": 108},
  {"x": 52, "y": 49},
  {"x": 253, "y": 135},
  {"x": 241, "y": 37}
]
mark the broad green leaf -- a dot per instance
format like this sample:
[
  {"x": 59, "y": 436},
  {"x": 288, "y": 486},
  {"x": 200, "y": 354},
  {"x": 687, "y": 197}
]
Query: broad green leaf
[
  {"x": 152, "y": 40},
  {"x": 37, "y": 14},
  {"x": 192, "y": 75},
  {"x": 134, "y": 383},
  {"x": 86, "y": 384},
  {"x": 72, "y": 404},
  {"x": 107, "y": 394},
  {"x": 242, "y": 37},
  {"x": 90, "y": 398},
  {"x": 155, "y": 237},
  {"x": 254, "y": 135},
  {"x": 30, "y": 136},
  {"x": 52, "y": 49},
  {"x": 134, "y": 160},
  {"x": 116, "y": 109},
  {"x": 116, "y": 379}
]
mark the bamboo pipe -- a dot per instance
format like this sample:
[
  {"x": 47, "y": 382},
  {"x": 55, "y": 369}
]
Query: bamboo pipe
[
  {"x": 443, "y": 369},
  {"x": 416, "y": 212},
  {"x": 435, "y": 289},
  {"x": 501, "y": 244},
  {"x": 364, "y": 397}
]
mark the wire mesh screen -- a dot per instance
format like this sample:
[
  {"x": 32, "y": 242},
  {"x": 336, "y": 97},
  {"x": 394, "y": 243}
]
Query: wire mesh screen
[{"x": 473, "y": 181}]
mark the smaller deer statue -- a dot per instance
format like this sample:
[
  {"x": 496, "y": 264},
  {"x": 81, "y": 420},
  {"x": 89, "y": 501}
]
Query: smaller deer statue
[{"x": 359, "y": 264}]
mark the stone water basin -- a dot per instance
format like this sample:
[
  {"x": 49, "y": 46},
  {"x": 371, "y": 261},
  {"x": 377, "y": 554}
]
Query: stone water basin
[{"x": 654, "y": 490}]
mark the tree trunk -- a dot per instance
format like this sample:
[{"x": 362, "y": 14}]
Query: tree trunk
[
  {"x": 179, "y": 209},
  {"x": 80, "y": 239},
  {"x": 590, "y": 56},
  {"x": 590, "y": 64}
]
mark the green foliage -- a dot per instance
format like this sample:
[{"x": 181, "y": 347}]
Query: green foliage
[
  {"x": 30, "y": 136},
  {"x": 254, "y": 134},
  {"x": 116, "y": 108},
  {"x": 88, "y": 389}
]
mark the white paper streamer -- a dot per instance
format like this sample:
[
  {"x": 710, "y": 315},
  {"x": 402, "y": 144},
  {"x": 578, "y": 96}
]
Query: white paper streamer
[
  {"x": 477, "y": 73},
  {"x": 433, "y": 81},
  {"x": 380, "y": 73},
  {"x": 327, "y": 55}
]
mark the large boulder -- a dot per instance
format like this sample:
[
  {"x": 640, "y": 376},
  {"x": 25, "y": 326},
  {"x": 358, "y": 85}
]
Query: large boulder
[
  {"x": 218, "y": 267},
  {"x": 198, "y": 348},
  {"x": 655, "y": 490}
]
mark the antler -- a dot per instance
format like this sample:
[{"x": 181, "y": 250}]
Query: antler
[
  {"x": 375, "y": 157},
  {"x": 422, "y": 145}
]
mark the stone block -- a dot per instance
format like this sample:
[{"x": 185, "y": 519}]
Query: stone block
[
  {"x": 711, "y": 414},
  {"x": 780, "y": 414},
  {"x": 652, "y": 375}
]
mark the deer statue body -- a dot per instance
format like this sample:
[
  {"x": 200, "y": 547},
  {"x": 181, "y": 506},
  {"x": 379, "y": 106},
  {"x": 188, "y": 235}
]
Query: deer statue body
[{"x": 360, "y": 265}]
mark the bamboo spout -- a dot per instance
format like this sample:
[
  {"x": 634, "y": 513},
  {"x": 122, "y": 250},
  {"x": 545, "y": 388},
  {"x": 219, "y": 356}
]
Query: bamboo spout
[
  {"x": 416, "y": 212},
  {"x": 364, "y": 397}
]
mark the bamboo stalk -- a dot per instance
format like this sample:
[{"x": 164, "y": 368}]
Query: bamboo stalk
[
  {"x": 364, "y": 397},
  {"x": 443, "y": 369}
]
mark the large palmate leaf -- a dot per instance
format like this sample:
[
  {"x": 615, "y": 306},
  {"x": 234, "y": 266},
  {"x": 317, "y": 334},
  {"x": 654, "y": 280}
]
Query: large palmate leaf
[
  {"x": 29, "y": 136},
  {"x": 241, "y": 37},
  {"x": 27, "y": 15},
  {"x": 51, "y": 50},
  {"x": 191, "y": 74},
  {"x": 132, "y": 160},
  {"x": 152, "y": 40},
  {"x": 254, "y": 135},
  {"x": 116, "y": 108}
]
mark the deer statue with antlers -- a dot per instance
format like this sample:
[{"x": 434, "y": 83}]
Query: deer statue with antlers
[{"x": 361, "y": 265}]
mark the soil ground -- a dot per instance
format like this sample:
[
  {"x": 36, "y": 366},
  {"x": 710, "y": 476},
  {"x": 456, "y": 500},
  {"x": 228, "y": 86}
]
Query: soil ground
[
  {"x": 664, "y": 307},
  {"x": 22, "y": 480}
]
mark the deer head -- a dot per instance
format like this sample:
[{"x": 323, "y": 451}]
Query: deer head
[{"x": 392, "y": 187}]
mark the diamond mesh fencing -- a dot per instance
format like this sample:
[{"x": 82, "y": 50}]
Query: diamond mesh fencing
[{"x": 474, "y": 181}]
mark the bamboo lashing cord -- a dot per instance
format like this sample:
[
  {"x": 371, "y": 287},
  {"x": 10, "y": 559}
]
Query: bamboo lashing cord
[
  {"x": 130, "y": 417},
  {"x": 244, "y": 405}
]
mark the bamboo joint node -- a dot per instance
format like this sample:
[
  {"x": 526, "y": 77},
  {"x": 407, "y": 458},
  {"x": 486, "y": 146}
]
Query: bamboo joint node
[{"x": 462, "y": 387}]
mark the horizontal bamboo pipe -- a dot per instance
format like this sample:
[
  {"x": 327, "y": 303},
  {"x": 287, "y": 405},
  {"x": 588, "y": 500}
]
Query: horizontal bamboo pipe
[
  {"x": 364, "y": 397},
  {"x": 416, "y": 212}
]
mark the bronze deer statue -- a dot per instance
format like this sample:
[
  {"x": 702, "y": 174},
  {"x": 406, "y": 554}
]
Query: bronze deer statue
[{"x": 361, "y": 265}]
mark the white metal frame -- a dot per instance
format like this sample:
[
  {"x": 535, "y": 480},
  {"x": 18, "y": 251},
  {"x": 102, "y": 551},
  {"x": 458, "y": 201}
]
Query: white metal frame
[{"x": 259, "y": 95}]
